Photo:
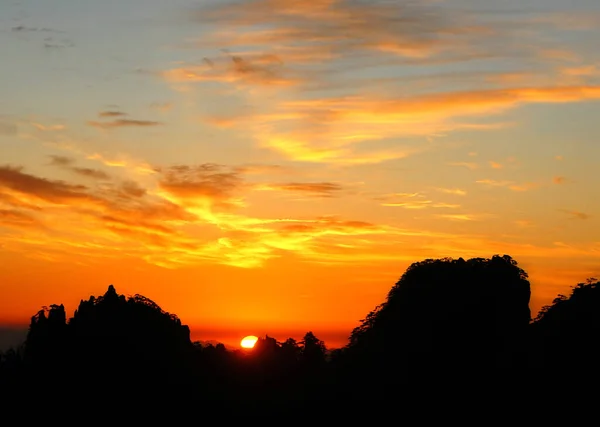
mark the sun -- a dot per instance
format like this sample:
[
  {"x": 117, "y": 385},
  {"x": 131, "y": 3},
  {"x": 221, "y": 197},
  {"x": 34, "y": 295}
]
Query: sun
[{"x": 249, "y": 341}]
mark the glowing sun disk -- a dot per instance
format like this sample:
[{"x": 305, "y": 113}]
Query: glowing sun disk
[{"x": 249, "y": 341}]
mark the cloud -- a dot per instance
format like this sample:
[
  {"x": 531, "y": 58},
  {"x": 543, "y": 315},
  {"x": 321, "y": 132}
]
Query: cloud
[
  {"x": 91, "y": 173},
  {"x": 16, "y": 218},
  {"x": 559, "y": 179},
  {"x": 207, "y": 183},
  {"x": 48, "y": 128},
  {"x": 338, "y": 28},
  {"x": 319, "y": 189},
  {"x": 62, "y": 161},
  {"x": 7, "y": 129},
  {"x": 53, "y": 191},
  {"x": 468, "y": 165},
  {"x": 67, "y": 163},
  {"x": 262, "y": 169},
  {"x": 161, "y": 106},
  {"x": 496, "y": 165},
  {"x": 120, "y": 123},
  {"x": 509, "y": 184},
  {"x": 111, "y": 114},
  {"x": 454, "y": 191},
  {"x": 576, "y": 214},
  {"x": 341, "y": 129},
  {"x": 461, "y": 217},
  {"x": 412, "y": 201},
  {"x": 253, "y": 69},
  {"x": 330, "y": 105}
]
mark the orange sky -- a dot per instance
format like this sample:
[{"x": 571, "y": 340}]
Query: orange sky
[{"x": 276, "y": 172}]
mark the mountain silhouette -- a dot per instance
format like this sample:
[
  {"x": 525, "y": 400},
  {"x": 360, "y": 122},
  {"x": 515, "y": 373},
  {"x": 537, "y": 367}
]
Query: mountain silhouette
[{"x": 448, "y": 329}]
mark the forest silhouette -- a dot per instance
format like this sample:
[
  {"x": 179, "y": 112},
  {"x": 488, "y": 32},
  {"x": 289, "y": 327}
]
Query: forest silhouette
[{"x": 446, "y": 322}]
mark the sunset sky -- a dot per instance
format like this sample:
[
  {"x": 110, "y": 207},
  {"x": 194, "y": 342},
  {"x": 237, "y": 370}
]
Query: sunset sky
[{"x": 273, "y": 166}]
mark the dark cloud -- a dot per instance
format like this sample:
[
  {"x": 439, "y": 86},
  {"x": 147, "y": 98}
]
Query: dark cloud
[
  {"x": 207, "y": 180},
  {"x": 61, "y": 160},
  {"x": 132, "y": 189},
  {"x": 119, "y": 123},
  {"x": 91, "y": 173},
  {"x": 576, "y": 214},
  {"x": 67, "y": 163},
  {"x": 124, "y": 207},
  {"x": 13, "y": 178},
  {"x": 25, "y": 29}
]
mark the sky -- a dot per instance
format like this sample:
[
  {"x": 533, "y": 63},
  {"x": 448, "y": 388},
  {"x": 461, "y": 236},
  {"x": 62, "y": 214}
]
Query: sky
[{"x": 273, "y": 166}]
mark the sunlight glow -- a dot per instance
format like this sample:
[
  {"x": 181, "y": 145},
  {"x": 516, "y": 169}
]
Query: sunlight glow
[{"x": 249, "y": 341}]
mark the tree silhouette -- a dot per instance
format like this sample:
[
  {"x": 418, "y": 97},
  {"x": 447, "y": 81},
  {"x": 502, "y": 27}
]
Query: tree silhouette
[{"x": 566, "y": 334}]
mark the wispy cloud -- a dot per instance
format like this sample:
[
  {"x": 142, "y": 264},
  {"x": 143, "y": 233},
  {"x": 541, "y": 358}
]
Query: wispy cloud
[
  {"x": 319, "y": 189},
  {"x": 462, "y": 217},
  {"x": 412, "y": 201},
  {"x": 511, "y": 185},
  {"x": 454, "y": 191},
  {"x": 111, "y": 114},
  {"x": 68, "y": 164},
  {"x": 576, "y": 214},
  {"x": 120, "y": 123},
  {"x": 468, "y": 165}
]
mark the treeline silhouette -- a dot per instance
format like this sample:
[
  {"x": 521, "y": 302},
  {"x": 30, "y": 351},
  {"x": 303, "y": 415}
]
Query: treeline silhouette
[{"x": 445, "y": 322}]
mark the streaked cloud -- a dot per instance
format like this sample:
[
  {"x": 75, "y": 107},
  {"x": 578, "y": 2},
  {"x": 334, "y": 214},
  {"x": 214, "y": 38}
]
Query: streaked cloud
[
  {"x": 111, "y": 113},
  {"x": 319, "y": 189},
  {"x": 68, "y": 164},
  {"x": 121, "y": 123},
  {"x": 454, "y": 191},
  {"x": 511, "y": 185},
  {"x": 468, "y": 165},
  {"x": 416, "y": 201},
  {"x": 576, "y": 214},
  {"x": 462, "y": 217}
]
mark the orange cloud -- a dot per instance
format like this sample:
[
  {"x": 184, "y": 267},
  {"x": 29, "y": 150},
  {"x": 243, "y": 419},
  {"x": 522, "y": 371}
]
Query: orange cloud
[
  {"x": 454, "y": 191},
  {"x": 559, "y": 179},
  {"x": 16, "y": 218},
  {"x": 205, "y": 183},
  {"x": 263, "y": 70},
  {"x": 412, "y": 201},
  {"x": 340, "y": 129},
  {"x": 406, "y": 29},
  {"x": 320, "y": 189},
  {"x": 508, "y": 184}
]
